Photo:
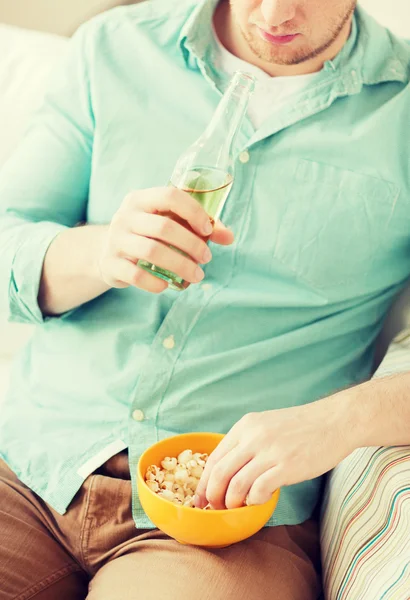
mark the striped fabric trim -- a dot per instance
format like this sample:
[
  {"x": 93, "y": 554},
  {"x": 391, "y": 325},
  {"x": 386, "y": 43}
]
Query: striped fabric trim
[
  {"x": 365, "y": 526},
  {"x": 366, "y": 514}
]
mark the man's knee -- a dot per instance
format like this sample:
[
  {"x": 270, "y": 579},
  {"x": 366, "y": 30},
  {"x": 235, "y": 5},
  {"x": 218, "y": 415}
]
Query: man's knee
[{"x": 242, "y": 572}]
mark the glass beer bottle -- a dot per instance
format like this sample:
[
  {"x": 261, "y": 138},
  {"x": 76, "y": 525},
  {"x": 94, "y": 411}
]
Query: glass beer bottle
[{"x": 206, "y": 169}]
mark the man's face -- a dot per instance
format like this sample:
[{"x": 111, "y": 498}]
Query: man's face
[{"x": 290, "y": 32}]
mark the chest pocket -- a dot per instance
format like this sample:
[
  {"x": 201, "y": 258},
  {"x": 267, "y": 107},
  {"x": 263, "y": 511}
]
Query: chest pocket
[{"x": 334, "y": 223}]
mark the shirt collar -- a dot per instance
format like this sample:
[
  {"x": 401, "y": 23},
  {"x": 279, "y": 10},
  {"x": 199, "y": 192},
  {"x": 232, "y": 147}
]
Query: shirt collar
[
  {"x": 371, "y": 55},
  {"x": 196, "y": 35}
]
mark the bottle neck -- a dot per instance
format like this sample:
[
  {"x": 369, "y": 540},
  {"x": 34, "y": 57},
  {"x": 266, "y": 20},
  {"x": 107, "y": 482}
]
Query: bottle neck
[{"x": 230, "y": 112}]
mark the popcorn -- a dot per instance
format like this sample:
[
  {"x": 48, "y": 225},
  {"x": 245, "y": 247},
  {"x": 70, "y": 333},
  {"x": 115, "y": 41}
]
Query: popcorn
[
  {"x": 177, "y": 478},
  {"x": 180, "y": 496},
  {"x": 153, "y": 485},
  {"x": 200, "y": 458},
  {"x": 189, "y": 501},
  {"x": 197, "y": 471},
  {"x": 154, "y": 473},
  {"x": 191, "y": 484},
  {"x": 169, "y": 464},
  {"x": 167, "y": 485},
  {"x": 167, "y": 495},
  {"x": 185, "y": 457},
  {"x": 181, "y": 475}
]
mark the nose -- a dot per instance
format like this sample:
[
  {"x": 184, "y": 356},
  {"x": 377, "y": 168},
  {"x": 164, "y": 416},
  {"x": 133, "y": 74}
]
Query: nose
[{"x": 277, "y": 12}]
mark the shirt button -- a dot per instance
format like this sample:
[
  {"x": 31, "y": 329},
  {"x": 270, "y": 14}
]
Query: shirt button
[
  {"x": 169, "y": 342},
  {"x": 244, "y": 157},
  {"x": 138, "y": 415},
  {"x": 206, "y": 286}
]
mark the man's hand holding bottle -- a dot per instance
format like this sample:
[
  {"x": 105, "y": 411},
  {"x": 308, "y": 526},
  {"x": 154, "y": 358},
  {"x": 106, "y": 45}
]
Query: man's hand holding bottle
[{"x": 140, "y": 231}]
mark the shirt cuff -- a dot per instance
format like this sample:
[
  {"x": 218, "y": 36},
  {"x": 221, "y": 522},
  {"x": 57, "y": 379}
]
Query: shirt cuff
[{"x": 26, "y": 273}]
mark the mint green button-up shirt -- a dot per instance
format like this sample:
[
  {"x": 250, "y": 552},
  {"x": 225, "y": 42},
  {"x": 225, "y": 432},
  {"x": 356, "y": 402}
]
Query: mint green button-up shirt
[{"x": 288, "y": 314}]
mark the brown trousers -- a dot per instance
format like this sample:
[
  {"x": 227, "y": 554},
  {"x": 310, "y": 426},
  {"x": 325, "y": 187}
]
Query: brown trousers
[{"x": 95, "y": 552}]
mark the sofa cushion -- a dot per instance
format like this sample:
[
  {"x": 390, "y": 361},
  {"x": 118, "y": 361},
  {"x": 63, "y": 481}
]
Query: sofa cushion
[
  {"x": 366, "y": 511},
  {"x": 27, "y": 58}
]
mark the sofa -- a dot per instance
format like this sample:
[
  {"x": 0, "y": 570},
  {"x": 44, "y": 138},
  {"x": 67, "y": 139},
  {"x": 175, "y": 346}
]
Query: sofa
[{"x": 26, "y": 59}]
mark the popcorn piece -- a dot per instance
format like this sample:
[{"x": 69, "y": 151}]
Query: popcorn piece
[
  {"x": 167, "y": 495},
  {"x": 169, "y": 464},
  {"x": 197, "y": 471},
  {"x": 154, "y": 473},
  {"x": 200, "y": 458},
  {"x": 167, "y": 485},
  {"x": 180, "y": 496},
  {"x": 153, "y": 486},
  {"x": 185, "y": 457},
  {"x": 169, "y": 476},
  {"x": 191, "y": 484},
  {"x": 181, "y": 475}
]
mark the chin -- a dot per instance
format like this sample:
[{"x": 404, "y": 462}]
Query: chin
[{"x": 278, "y": 56}]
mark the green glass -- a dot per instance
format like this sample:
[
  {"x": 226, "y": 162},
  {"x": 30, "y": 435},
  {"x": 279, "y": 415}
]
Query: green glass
[{"x": 206, "y": 169}]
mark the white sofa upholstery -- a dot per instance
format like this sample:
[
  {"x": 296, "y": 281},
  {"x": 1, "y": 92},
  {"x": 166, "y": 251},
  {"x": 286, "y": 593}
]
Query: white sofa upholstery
[{"x": 26, "y": 59}]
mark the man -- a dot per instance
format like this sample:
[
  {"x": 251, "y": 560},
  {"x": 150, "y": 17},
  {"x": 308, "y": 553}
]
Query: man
[{"x": 285, "y": 318}]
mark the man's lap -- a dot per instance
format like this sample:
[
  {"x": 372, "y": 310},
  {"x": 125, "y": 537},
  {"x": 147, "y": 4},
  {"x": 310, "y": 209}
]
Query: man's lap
[{"x": 43, "y": 554}]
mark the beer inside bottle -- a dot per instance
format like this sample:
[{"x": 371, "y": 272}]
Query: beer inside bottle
[{"x": 210, "y": 187}]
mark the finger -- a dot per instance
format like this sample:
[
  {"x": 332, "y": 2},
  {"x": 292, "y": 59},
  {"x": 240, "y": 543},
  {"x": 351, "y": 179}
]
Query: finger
[
  {"x": 126, "y": 272},
  {"x": 177, "y": 201},
  {"x": 170, "y": 232},
  {"x": 226, "y": 445},
  {"x": 222, "y": 235},
  {"x": 222, "y": 473},
  {"x": 265, "y": 485},
  {"x": 241, "y": 483},
  {"x": 160, "y": 255}
]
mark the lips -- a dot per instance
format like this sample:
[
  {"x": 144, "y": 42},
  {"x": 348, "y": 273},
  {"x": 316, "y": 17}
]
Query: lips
[{"x": 279, "y": 40}]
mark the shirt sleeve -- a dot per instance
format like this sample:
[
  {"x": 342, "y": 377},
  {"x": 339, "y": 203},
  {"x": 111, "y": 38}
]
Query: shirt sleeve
[{"x": 44, "y": 186}]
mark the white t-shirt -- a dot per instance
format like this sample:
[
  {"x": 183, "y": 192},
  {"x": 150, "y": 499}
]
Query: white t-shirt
[{"x": 270, "y": 92}]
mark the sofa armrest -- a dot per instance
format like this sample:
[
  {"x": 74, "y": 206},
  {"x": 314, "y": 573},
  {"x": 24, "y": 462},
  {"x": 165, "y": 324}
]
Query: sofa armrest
[{"x": 365, "y": 514}]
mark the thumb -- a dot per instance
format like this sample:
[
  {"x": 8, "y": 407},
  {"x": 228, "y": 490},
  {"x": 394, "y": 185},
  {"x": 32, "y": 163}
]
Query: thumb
[{"x": 222, "y": 235}]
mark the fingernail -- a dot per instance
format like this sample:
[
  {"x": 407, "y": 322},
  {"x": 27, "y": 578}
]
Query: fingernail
[
  {"x": 207, "y": 255},
  {"x": 207, "y": 228},
  {"x": 199, "y": 274}
]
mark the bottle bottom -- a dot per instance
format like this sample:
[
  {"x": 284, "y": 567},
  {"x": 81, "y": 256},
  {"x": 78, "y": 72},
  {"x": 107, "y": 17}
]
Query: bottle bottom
[{"x": 174, "y": 282}]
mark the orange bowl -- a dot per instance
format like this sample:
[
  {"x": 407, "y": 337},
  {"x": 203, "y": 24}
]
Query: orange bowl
[{"x": 207, "y": 528}]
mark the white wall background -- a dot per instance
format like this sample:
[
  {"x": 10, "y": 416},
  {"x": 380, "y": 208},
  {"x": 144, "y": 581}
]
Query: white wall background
[
  {"x": 62, "y": 16},
  {"x": 57, "y": 16},
  {"x": 395, "y": 14}
]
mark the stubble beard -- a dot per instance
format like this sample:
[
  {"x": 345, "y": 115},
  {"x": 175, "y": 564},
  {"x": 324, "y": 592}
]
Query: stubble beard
[{"x": 276, "y": 55}]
